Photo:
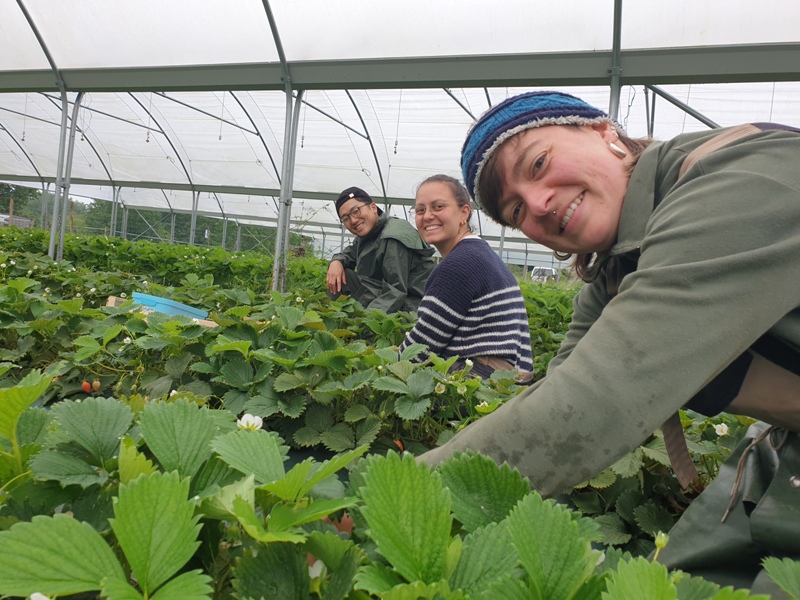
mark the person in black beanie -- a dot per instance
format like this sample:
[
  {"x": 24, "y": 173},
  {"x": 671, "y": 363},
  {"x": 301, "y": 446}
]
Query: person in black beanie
[{"x": 387, "y": 265}]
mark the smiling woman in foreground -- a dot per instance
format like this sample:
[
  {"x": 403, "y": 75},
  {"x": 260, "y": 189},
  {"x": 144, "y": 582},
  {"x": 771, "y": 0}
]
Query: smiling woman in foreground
[{"x": 691, "y": 253}]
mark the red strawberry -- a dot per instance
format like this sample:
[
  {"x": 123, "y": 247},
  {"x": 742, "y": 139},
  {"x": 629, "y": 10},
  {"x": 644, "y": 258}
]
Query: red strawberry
[{"x": 86, "y": 387}]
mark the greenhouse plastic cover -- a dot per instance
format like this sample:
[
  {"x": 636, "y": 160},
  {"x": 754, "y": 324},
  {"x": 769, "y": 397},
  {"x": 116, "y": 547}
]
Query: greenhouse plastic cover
[{"x": 189, "y": 95}]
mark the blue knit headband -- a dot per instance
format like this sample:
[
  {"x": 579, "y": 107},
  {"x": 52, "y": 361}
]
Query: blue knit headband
[{"x": 515, "y": 114}]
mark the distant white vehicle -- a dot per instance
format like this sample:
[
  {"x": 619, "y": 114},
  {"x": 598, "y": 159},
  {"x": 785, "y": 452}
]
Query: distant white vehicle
[{"x": 544, "y": 274}]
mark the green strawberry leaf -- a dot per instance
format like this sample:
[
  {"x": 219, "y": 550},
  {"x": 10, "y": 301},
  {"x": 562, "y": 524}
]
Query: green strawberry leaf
[
  {"x": 408, "y": 513},
  {"x": 488, "y": 556},
  {"x": 639, "y": 578},
  {"x": 421, "y": 383},
  {"x": 96, "y": 424},
  {"x": 652, "y": 518},
  {"x": 55, "y": 556},
  {"x": 87, "y": 347},
  {"x": 132, "y": 463},
  {"x": 482, "y": 492},
  {"x": 253, "y": 452},
  {"x": 192, "y": 585},
  {"x": 179, "y": 434},
  {"x": 410, "y": 408},
  {"x": 551, "y": 548},
  {"x": 14, "y": 400},
  {"x": 277, "y": 570},
  {"x": 786, "y": 573},
  {"x": 67, "y": 469},
  {"x": 156, "y": 542}
]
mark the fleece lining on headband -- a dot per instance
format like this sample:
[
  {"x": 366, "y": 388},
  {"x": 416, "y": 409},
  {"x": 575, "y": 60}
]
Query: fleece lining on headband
[{"x": 518, "y": 113}]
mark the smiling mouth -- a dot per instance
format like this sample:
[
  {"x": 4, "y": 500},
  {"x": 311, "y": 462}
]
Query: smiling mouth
[
  {"x": 431, "y": 227},
  {"x": 570, "y": 211}
]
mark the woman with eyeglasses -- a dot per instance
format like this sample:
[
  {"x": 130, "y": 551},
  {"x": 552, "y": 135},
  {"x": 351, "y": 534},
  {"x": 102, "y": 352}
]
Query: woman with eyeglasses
[
  {"x": 387, "y": 265},
  {"x": 473, "y": 307}
]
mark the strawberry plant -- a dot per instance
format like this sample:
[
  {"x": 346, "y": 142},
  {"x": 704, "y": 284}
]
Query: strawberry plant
[
  {"x": 172, "y": 500},
  {"x": 324, "y": 376}
]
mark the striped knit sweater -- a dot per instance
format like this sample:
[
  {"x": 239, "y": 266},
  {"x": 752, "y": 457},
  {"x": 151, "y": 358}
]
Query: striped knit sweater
[{"x": 473, "y": 306}]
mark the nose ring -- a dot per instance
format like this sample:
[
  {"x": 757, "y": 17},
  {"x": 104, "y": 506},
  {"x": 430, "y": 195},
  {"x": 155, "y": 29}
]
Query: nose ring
[{"x": 554, "y": 212}]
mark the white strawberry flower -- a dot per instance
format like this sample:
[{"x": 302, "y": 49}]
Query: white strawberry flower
[
  {"x": 440, "y": 388},
  {"x": 127, "y": 340},
  {"x": 721, "y": 429},
  {"x": 462, "y": 389},
  {"x": 468, "y": 362},
  {"x": 250, "y": 422}
]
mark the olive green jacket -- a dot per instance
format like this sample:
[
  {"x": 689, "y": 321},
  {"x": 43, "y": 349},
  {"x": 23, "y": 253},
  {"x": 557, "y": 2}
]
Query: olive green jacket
[
  {"x": 718, "y": 266},
  {"x": 392, "y": 262}
]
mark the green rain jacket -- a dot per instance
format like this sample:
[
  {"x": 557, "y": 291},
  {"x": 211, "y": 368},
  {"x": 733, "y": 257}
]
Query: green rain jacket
[
  {"x": 392, "y": 263},
  {"x": 718, "y": 266}
]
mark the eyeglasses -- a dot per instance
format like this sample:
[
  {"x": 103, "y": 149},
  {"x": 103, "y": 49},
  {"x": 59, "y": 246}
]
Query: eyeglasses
[
  {"x": 353, "y": 213},
  {"x": 435, "y": 208}
]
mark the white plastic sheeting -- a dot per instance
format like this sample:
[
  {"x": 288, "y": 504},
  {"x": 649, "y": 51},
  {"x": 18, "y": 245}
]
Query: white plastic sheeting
[
  {"x": 158, "y": 147},
  {"x": 86, "y": 34}
]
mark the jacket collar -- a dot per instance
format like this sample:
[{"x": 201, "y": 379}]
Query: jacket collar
[
  {"x": 376, "y": 231},
  {"x": 638, "y": 204}
]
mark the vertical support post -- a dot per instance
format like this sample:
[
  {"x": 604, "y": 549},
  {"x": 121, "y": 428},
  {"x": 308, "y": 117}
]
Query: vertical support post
[
  {"x": 525, "y": 265},
  {"x": 172, "y": 227},
  {"x": 224, "y": 231},
  {"x": 45, "y": 203},
  {"x": 62, "y": 142},
  {"x": 285, "y": 201},
  {"x": 650, "y": 111},
  {"x": 238, "y": 245},
  {"x": 289, "y": 186},
  {"x": 615, "y": 69},
  {"x": 112, "y": 226},
  {"x": 193, "y": 227},
  {"x": 67, "y": 175},
  {"x": 124, "y": 222}
]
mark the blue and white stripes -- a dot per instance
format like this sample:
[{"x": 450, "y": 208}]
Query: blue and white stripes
[{"x": 473, "y": 307}]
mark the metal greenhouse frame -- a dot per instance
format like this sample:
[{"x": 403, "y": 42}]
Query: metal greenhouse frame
[{"x": 263, "y": 110}]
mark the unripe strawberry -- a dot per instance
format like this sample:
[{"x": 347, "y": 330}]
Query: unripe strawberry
[{"x": 96, "y": 385}]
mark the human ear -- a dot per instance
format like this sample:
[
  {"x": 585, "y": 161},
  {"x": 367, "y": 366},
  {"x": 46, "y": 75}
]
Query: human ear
[
  {"x": 607, "y": 131},
  {"x": 466, "y": 211}
]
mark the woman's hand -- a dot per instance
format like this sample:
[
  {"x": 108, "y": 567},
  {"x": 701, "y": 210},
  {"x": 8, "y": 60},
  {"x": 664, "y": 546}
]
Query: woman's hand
[{"x": 336, "y": 277}]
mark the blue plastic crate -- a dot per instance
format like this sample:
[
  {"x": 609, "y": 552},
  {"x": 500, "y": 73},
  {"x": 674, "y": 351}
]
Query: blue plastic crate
[{"x": 170, "y": 307}]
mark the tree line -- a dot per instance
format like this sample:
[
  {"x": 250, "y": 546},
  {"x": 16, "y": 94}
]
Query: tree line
[{"x": 93, "y": 217}]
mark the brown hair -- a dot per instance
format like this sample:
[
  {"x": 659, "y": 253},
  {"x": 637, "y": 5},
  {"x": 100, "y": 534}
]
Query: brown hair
[{"x": 490, "y": 188}]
